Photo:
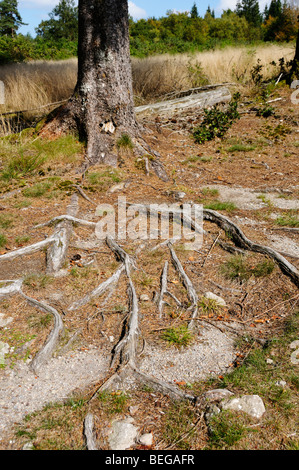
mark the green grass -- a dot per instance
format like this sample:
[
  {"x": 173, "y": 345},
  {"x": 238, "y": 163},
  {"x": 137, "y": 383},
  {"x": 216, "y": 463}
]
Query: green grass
[
  {"x": 102, "y": 180},
  {"x": 113, "y": 402},
  {"x": 220, "y": 206},
  {"x": 210, "y": 192},
  {"x": 242, "y": 268},
  {"x": 38, "y": 190},
  {"x": 180, "y": 336},
  {"x": 3, "y": 240},
  {"x": 241, "y": 148},
  {"x": 178, "y": 425},
  {"x": 37, "y": 281},
  {"x": 6, "y": 221},
  {"x": 125, "y": 142},
  {"x": 25, "y": 154},
  {"x": 288, "y": 220},
  {"x": 226, "y": 430}
]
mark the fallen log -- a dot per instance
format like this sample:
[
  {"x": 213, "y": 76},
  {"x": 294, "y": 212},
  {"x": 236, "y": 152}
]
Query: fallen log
[{"x": 200, "y": 100}]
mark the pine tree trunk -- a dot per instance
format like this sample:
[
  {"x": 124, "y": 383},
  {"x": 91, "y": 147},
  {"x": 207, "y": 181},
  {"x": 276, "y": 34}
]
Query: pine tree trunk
[
  {"x": 102, "y": 107},
  {"x": 295, "y": 68}
]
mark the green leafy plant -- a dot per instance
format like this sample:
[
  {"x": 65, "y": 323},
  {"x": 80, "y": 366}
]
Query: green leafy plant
[{"x": 217, "y": 122}]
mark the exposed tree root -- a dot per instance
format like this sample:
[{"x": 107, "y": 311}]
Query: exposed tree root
[
  {"x": 28, "y": 250},
  {"x": 163, "y": 288},
  {"x": 57, "y": 252},
  {"x": 238, "y": 237},
  {"x": 43, "y": 356},
  {"x": 67, "y": 218},
  {"x": 124, "y": 358},
  {"x": 89, "y": 432},
  {"x": 191, "y": 292},
  {"x": 110, "y": 283}
]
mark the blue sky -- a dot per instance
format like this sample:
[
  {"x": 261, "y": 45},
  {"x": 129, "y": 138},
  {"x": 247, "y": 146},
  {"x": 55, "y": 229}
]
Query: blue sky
[{"x": 34, "y": 11}]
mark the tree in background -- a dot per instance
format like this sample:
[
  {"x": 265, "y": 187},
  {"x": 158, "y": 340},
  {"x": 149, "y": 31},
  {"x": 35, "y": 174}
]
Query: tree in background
[
  {"x": 194, "y": 11},
  {"x": 10, "y": 18},
  {"x": 250, "y": 10},
  {"x": 280, "y": 22},
  {"x": 63, "y": 22}
]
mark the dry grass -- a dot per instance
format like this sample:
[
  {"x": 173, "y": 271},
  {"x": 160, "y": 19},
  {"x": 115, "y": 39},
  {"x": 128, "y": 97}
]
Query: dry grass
[{"x": 31, "y": 85}]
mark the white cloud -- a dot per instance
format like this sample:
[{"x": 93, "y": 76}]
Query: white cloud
[
  {"x": 136, "y": 12},
  {"x": 231, "y": 4}
]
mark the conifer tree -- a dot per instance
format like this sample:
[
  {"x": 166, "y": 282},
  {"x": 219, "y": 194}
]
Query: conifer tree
[{"x": 10, "y": 18}]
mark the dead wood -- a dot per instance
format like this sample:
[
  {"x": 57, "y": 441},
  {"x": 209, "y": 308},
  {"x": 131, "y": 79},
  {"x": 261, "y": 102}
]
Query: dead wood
[
  {"x": 191, "y": 292},
  {"x": 238, "y": 237},
  {"x": 57, "y": 252},
  {"x": 198, "y": 100},
  {"x": 89, "y": 432},
  {"x": 43, "y": 356},
  {"x": 28, "y": 250},
  {"x": 163, "y": 288}
]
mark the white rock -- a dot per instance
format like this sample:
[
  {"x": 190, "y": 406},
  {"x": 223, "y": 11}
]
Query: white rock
[
  {"x": 250, "y": 404},
  {"x": 280, "y": 383},
  {"x": 295, "y": 344},
  {"x": 179, "y": 195},
  {"x": 219, "y": 300},
  {"x": 146, "y": 439},
  {"x": 144, "y": 298},
  {"x": 4, "y": 349},
  {"x": 28, "y": 446},
  {"x": 4, "y": 321},
  {"x": 123, "y": 434},
  {"x": 217, "y": 394},
  {"x": 295, "y": 357}
]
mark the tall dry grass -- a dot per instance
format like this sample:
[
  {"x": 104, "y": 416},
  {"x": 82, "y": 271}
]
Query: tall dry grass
[
  {"x": 31, "y": 85},
  {"x": 34, "y": 84},
  {"x": 159, "y": 75}
]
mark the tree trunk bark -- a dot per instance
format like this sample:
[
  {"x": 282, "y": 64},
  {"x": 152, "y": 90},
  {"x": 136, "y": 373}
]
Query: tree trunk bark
[
  {"x": 295, "y": 66},
  {"x": 102, "y": 106}
]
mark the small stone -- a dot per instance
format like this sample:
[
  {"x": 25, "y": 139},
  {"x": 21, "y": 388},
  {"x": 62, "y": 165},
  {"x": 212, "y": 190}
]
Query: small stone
[
  {"x": 123, "y": 434},
  {"x": 295, "y": 344},
  {"x": 4, "y": 321},
  {"x": 146, "y": 439},
  {"x": 218, "y": 300},
  {"x": 117, "y": 187},
  {"x": 250, "y": 404},
  {"x": 4, "y": 349},
  {"x": 269, "y": 361},
  {"x": 281, "y": 383},
  {"x": 217, "y": 395},
  {"x": 28, "y": 446},
  {"x": 144, "y": 298},
  {"x": 179, "y": 195},
  {"x": 133, "y": 409}
]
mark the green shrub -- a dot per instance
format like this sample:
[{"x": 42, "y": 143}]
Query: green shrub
[{"x": 217, "y": 122}]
